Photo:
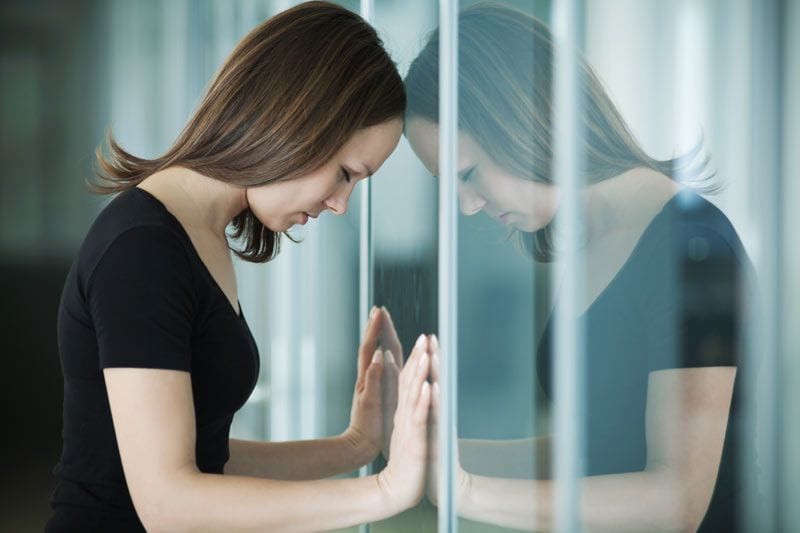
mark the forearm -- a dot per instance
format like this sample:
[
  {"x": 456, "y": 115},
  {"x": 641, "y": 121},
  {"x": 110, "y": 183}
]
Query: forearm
[
  {"x": 296, "y": 460},
  {"x": 518, "y": 458},
  {"x": 637, "y": 501},
  {"x": 199, "y": 502}
]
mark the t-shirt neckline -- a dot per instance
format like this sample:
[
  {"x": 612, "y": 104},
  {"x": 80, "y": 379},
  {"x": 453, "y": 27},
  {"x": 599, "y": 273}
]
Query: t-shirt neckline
[{"x": 174, "y": 219}]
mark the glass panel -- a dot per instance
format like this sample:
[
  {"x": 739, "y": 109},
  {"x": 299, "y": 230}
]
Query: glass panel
[
  {"x": 790, "y": 281},
  {"x": 503, "y": 424},
  {"x": 680, "y": 289},
  {"x": 497, "y": 281},
  {"x": 404, "y": 222}
]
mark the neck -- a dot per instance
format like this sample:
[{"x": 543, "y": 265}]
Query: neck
[
  {"x": 625, "y": 201},
  {"x": 203, "y": 202}
]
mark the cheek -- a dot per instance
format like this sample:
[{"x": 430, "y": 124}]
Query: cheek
[
  {"x": 546, "y": 204},
  {"x": 256, "y": 199},
  {"x": 260, "y": 203}
]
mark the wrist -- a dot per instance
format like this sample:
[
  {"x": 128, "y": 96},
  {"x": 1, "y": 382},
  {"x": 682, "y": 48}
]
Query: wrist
[
  {"x": 388, "y": 496},
  {"x": 464, "y": 490},
  {"x": 359, "y": 447}
]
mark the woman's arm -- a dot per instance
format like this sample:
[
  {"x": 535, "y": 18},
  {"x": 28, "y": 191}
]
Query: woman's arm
[
  {"x": 153, "y": 417},
  {"x": 515, "y": 458},
  {"x": 298, "y": 460},
  {"x": 374, "y": 404},
  {"x": 687, "y": 415}
]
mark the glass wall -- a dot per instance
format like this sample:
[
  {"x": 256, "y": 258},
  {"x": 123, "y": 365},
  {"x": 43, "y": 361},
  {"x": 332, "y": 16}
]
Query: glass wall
[
  {"x": 591, "y": 206},
  {"x": 620, "y": 297}
]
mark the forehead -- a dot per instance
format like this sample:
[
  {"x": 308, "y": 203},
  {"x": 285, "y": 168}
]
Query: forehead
[
  {"x": 377, "y": 136},
  {"x": 372, "y": 145},
  {"x": 423, "y": 136}
]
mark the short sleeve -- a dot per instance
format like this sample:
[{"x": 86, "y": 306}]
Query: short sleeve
[
  {"x": 142, "y": 301},
  {"x": 690, "y": 303}
]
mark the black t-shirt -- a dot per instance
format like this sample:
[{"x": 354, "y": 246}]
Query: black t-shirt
[
  {"x": 677, "y": 302},
  {"x": 138, "y": 295}
]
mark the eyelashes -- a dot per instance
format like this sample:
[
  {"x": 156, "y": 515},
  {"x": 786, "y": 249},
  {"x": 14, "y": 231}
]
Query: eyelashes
[
  {"x": 346, "y": 174},
  {"x": 469, "y": 173}
]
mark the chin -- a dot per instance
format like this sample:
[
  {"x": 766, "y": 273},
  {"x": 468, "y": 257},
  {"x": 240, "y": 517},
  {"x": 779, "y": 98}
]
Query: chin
[
  {"x": 527, "y": 227},
  {"x": 274, "y": 225}
]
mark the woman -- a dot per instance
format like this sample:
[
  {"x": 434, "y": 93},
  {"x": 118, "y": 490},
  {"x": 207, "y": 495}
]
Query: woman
[
  {"x": 155, "y": 351},
  {"x": 660, "y": 305}
]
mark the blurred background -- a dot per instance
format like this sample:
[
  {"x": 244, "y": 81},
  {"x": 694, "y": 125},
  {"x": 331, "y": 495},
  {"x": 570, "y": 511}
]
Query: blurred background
[{"x": 71, "y": 69}]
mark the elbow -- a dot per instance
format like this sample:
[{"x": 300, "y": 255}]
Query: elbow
[
  {"x": 158, "y": 517},
  {"x": 674, "y": 520},
  {"x": 154, "y": 519},
  {"x": 682, "y": 502},
  {"x": 162, "y": 507},
  {"x": 686, "y": 516},
  {"x": 691, "y": 518}
]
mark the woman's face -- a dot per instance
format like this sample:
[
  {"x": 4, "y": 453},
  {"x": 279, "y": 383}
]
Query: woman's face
[
  {"x": 280, "y": 205},
  {"x": 484, "y": 185}
]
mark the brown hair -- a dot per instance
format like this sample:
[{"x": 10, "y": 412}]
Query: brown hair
[
  {"x": 505, "y": 103},
  {"x": 288, "y": 97}
]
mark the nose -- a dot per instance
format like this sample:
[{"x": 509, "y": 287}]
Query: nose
[
  {"x": 337, "y": 202},
  {"x": 469, "y": 201}
]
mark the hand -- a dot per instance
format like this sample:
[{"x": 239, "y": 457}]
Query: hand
[
  {"x": 432, "y": 473},
  {"x": 393, "y": 359},
  {"x": 388, "y": 338},
  {"x": 365, "y": 432},
  {"x": 403, "y": 479}
]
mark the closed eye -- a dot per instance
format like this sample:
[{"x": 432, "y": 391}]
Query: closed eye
[
  {"x": 346, "y": 175},
  {"x": 466, "y": 174}
]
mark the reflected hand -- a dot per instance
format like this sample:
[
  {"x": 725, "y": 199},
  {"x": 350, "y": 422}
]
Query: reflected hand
[
  {"x": 403, "y": 479},
  {"x": 432, "y": 475}
]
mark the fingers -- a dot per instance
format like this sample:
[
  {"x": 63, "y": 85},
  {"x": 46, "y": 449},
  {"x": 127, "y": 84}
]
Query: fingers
[
  {"x": 408, "y": 372},
  {"x": 434, "y": 345},
  {"x": 370, "y": 342},
  {"x": 372, "y": 379},
  {"x": 412, "y": 379},
  {"x": 389, "y": 338},
  {"x": 423, "y": 405},
  {"x": 419, "y": 379},
  {"x": 390, "y": 361},
  {"x": 435, "y": 403}
]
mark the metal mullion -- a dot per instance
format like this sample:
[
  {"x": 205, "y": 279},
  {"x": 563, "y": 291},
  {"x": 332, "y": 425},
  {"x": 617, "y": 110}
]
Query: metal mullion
[
  {"x": 569, "y": 337},
  {"x": 448, "y": 255}
]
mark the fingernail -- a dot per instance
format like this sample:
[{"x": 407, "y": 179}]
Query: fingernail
[
  {"x": 389, "y": 356},
  {"x": 435, "y": 341},
  {"x": 420, "y": 341},
  {"x": 372, "y": 311},
  {"x": 377, "y": 356},
  {"x": 436, "y": 388}
]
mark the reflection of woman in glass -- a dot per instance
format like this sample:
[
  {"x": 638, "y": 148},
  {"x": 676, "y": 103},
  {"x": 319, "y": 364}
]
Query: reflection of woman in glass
[
  {"x": 661, "y": 302},
  {"x": 156, "y": 353}
]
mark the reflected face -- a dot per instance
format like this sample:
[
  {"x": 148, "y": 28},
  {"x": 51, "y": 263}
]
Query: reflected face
[
  {"x": 483, "y": 185},
  {"x": 280, "y": 205}
]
